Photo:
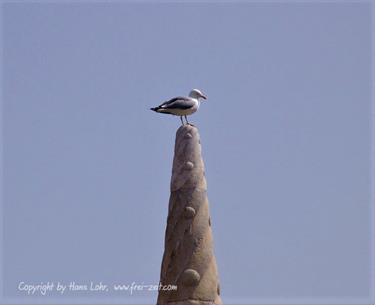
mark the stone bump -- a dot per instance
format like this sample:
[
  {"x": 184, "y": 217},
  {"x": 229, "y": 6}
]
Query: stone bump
[
  {"x": 190, "y": 277},
  {"x": 189, "y": 165},
  {"x": 189, "y": 212},
  {"x": 188, "y": 260}
]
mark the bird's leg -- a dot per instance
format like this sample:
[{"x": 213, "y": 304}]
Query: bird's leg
[
  {"x": 181, "y": 120},
  {"x": 188, "y": 121}
]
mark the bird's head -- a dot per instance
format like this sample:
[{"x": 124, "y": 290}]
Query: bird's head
[{"x": 197, "y": 94}]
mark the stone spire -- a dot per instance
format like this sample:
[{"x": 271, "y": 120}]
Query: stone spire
[{"x": 188, "y": 259}]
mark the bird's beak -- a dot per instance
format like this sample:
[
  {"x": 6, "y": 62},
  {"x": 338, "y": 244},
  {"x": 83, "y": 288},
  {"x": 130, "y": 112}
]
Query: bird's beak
[{"x": 204, "y": 97}]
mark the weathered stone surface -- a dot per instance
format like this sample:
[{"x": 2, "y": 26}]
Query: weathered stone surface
[
  {"x": 188, "y": 259},
  {"x": 191, "y": 302},
  {"x": 188, "y": 136},
  {"x": 187, "y": 150}
]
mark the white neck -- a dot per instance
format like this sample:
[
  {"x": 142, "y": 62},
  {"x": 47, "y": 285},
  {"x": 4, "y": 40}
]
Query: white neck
[{"x": 197, "y": 101}]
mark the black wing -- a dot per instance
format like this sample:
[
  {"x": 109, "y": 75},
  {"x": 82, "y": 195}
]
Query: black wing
[{"x": 178, "y": 102}]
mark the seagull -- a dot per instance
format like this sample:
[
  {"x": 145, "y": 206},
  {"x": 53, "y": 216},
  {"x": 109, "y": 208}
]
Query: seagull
[{"x": 182, "y": 106}]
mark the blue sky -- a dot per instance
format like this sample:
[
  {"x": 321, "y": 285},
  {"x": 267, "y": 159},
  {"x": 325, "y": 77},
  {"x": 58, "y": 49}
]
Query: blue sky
[{"x": 285, "y": 135}]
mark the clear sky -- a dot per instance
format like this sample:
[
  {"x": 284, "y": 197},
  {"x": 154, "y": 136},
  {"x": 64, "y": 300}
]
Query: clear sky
[{"x": 285, "y": 135}]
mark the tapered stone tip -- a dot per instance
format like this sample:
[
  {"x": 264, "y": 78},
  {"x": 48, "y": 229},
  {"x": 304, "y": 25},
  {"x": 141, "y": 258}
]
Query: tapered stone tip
[
  {"x": 188, "y": 167},
  {"x": 185, "y": 129},
  {"x": 188, "y": 260}
]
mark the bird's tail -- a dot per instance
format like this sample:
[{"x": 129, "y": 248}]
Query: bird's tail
[{"x": 155, "y": 109}]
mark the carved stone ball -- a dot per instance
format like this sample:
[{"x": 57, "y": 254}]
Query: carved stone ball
[
  {"x": 190, "y": 277},
  {"x": 189, "y": 165},
  {"x": 189, "y": 212}
]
